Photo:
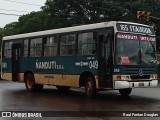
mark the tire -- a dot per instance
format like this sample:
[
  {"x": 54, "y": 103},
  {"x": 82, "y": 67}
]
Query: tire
[
  {"x": 30, "y": 83},
  {"x": 90, "y": 87},
  {"x": 125, "y": 92},
  {"x": 63, "y": 88}
]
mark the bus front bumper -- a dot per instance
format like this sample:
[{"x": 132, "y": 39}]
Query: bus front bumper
[{"x": 140, "y": 84}]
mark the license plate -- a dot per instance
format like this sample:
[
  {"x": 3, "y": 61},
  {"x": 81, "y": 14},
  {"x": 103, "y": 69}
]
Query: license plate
[{"x": 141, "y": 84}]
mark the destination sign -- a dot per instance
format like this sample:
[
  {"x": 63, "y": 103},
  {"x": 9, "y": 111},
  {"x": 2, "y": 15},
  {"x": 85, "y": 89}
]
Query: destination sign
[{"x": 133, "y": 28}]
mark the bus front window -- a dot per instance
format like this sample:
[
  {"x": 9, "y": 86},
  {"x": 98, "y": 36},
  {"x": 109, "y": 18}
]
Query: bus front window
[
  {"x": 135, "y": 49},
  {"x": 127, "y": 52},
  {"x": 148, "y": 52}
]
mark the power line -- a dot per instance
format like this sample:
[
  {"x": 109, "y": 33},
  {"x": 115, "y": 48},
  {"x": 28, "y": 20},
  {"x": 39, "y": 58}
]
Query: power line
[
  {"x": 13, "y": 10},
  {"x": 9, "y": 14},
  {"x": 22, "y": 2}
]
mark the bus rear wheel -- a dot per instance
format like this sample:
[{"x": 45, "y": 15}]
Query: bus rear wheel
[
  {"x": 125, "y": 92},
  {"x": 30, "y": 83},
  {"x": 90, "y": 87}
]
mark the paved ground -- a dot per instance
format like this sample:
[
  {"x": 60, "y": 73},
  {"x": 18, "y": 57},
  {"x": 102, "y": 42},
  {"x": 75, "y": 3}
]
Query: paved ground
[{"x": 14, "y": 97}]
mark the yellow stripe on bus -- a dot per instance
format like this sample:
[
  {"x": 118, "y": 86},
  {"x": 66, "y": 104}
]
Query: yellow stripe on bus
[
  {"x": 51, "y": 79},
  {"x": 58, "y": 79},
  {"x": 7, "y": 76}
]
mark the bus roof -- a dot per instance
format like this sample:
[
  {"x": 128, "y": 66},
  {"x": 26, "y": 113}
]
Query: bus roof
[{"x": 67, "y": 29}]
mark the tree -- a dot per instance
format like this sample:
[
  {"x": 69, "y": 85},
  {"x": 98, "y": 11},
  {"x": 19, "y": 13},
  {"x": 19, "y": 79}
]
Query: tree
[
  {"x": 10, "y": 29},
  {"x": 34, "y": 21},
  {"x": 63, "y": 13},
  {"x": 1, "y": 35}
]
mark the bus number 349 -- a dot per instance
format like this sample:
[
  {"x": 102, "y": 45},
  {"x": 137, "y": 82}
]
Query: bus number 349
[{"x": 93, "y": 64}]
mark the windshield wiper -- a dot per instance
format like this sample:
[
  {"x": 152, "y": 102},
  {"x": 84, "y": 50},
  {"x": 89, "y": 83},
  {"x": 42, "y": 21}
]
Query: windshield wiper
[
  {"x": 152, "y": 61},
  {"x": 148, "y": 51}
]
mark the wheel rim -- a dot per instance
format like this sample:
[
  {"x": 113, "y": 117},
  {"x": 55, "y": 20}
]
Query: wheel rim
[
  {"x": 89, "y": 88},
  {"x": 30, "y": 83}
]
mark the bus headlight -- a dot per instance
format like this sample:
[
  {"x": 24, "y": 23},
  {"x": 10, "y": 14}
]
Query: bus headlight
[
  {"x": 154, "y": 76},
  {"x": 123, "y": 77}
]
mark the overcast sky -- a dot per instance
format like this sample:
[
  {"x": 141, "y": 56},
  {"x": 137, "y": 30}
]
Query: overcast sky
[{"x": 18, "y": 7}]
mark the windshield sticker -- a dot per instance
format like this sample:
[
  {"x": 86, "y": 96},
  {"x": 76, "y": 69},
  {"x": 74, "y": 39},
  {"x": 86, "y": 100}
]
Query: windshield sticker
[
  {"x": 123, "y": 36},
  {"x": 125, "y": 61},
  {"x": 127, "y": 36},
  {"x": 147, "y": 38}
]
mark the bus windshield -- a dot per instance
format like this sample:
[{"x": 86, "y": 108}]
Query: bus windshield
[{"x": 135, "y": 49}]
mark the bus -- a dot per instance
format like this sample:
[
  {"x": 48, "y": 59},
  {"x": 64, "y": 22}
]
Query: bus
[{"x": 110, "y": 55}]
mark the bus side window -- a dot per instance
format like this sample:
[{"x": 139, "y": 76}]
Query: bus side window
[
  {"x": 26, "y": 43},
  {"x": 50, "y": 46},
  {"x": 86, "y": 43},
  {"x": 67, "y": 44},
  {"x": 5, "y": 49},
  {"x": 8, "y": 49},
  {"x": 36, "y": 47}
]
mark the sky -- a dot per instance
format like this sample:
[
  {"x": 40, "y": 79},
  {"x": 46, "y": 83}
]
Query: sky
[{"x": 17, "y": 7}]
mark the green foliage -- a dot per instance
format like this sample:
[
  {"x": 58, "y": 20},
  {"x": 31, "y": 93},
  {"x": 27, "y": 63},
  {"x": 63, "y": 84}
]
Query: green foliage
[
  {"x": 1, "y": 35},
  {"x": 34, "y": 21},
  {"x": 64, "y": 13},
  {"x": 10, "y": 29}
]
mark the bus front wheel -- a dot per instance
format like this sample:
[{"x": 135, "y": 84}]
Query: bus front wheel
[
  {"x": 30, "y": 83},
  {"x": 90, "y": 87},
  {"x": 125, "y": 92}
]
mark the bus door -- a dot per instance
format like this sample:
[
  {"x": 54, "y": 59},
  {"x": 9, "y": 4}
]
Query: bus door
[
  {"x": 105, "y": 60},
  {"x": 16, "y": 53}
]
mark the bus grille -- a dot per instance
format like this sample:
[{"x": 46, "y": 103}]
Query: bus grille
[
  {"x": 133, "y": 77},
  {"x": 132, "y": 70}
]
